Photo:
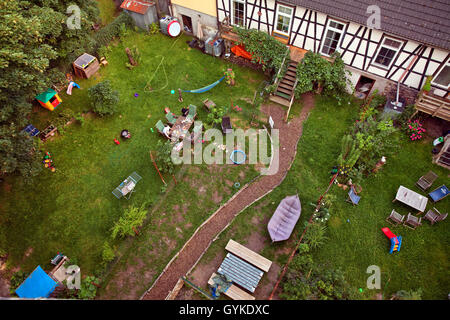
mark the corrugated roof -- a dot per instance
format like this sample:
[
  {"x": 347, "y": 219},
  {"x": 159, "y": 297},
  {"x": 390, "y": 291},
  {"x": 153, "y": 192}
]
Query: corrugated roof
[
  {"x": 425, "y": 21},
  {"x": 138, "y": 6}
]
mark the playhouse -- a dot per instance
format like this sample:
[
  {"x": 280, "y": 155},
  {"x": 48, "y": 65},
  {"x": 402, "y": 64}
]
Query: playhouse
[{"x": 49, "y": 99}]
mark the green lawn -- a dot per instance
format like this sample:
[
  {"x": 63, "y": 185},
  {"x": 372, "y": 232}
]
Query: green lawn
[
  {"x": 73, "y": 209},
  {"x": 107, "y": 11},
  {"x": 359, "y": 243}
]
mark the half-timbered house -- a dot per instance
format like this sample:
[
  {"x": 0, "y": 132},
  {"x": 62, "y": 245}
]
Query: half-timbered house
[{"x": 410, "y": 41}]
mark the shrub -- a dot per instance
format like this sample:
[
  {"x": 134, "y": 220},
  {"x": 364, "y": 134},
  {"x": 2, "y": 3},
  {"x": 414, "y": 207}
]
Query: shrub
[
  {"x": 133, "y": 218},
  {"x": 108, "y": 253},
  {"x": 264, "y": 48},
  {"x": 88, "y": 290},
  {"x": 17, "y": 279},
  {"x": 153, "y": 28},
  {"x": 112, "y": 30},
  {"x": 104, "y": 98},
  {"x": 315, "y": 235},
  {"x": 316, "y": 72},
  {"x": 415, "y": 130},
  {"x": 215, "y": 116},
  {"x": 163, "y": 157}
]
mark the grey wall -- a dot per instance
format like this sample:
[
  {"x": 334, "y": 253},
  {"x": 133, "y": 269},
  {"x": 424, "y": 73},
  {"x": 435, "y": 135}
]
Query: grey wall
[
  {"x": 144, "y": 20},
  {"x": 209, "y": 23}
]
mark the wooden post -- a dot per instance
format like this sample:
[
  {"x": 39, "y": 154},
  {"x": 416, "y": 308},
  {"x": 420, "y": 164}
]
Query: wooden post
[{"x": 156, "y": 167}]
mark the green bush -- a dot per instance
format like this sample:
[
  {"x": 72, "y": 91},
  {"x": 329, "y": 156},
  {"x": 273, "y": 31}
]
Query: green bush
[
  {"x": 17, "y": 279},
  {"x": 104, "y": 98},
  {"x": 88, "y": 290},
  {"x": 108, "y": 253},
  {"x": 154, "y": 28},
  {"x": 163, "y": 157},
  {"x": 133, "y": 218},
  {"x": 315, "y": 235}
]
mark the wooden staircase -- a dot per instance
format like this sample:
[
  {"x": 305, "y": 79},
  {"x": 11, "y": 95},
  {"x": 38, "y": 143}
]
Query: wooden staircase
[
  {"x": 434, "y": 105},
  {"x": 285, "y": 90}
]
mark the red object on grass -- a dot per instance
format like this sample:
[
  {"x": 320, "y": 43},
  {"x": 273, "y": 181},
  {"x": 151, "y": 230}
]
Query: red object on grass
[
  {"x": 388, "y": 233},
  {"x": 116, "y": 141}
]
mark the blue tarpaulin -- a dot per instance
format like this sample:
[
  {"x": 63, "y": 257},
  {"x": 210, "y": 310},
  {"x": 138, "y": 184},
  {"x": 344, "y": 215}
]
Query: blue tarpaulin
[{"x": 37, "y": 285}]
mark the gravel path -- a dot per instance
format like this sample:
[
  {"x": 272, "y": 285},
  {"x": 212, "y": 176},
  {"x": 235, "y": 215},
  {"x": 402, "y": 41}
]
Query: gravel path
[{"x": 289, "y": 135}]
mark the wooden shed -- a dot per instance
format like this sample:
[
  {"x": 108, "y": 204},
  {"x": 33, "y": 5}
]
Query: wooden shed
[
  {"x": 143, "y": 12},
  {"x": 85, "y": 66}
]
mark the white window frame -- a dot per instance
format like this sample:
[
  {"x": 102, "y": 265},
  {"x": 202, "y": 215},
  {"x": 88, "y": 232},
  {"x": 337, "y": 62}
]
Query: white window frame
[
  {"x": 291, "y": 16},
  {"x": 233, "y": 22},
  {"x": 341, "y": 32},
  {"x": 440, "y": 70},
  {"x": 397, "y": 51}
]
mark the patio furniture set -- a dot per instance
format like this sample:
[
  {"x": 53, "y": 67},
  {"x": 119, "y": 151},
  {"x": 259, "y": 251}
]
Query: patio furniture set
[{"x": 419, "y": 203}]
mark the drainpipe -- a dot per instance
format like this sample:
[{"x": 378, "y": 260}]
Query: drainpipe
[{"x": 403, "y": 75}]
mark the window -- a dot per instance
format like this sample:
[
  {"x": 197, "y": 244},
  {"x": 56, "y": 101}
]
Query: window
[
  {"x": 284, "y": 18},
  {"x": 442, "y": 78},
  {"x": 387, "y": 52},
  {"x": 238, "y": 12},
  {"x": 333, "y": 36}
]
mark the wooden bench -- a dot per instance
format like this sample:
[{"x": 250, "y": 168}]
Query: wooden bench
[
  {"x": 248, "y": 255},
  {"x": 234, "y": 292}
]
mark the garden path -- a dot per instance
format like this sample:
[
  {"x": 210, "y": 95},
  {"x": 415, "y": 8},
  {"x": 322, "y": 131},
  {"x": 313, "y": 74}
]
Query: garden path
[{"x": 289, "y": 136}]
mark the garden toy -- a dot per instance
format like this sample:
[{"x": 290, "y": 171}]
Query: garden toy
[
  {"x": 396, "y": 241},
  {"x": 127, "y": 186},
  {"x": 285, "y": 218},
  {"x": 238, "y": 156},
  {"x": 439, "y": 193},
  {"x": 412, "y": 222},
  {"x": 125, "y": 134},
  {"x": 31, "y": 130},
  {"x": 136, "y": 95},
  {"x": 395, "y": 218},
  {"x": 38, "y": 285},
  {"x": 353, "y": 198},
  {"x": 49, "y": 99},
  {"x": 204, "y": 89},
  {"x": 433, "y": 215},
  {"x": 427, "y": 180},
  {"x": 71, "y": 85},
  {"x": 172, "y": 91},
  {"x": 116, "y": 141}
]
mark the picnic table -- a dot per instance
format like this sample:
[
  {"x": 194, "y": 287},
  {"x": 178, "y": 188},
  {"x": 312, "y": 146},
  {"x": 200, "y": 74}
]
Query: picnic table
[
  {"x": 180, "y": 128},
  {"x": 411, "y": 198},
  {"x": 126, "y": 187}
]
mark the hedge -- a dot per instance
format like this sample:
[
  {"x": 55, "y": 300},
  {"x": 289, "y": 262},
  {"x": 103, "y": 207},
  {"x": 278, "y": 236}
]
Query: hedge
[{"x": 105, "y": 35}]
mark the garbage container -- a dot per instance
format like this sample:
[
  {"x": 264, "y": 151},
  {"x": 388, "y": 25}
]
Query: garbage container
[{"x": 214, "y": 47}]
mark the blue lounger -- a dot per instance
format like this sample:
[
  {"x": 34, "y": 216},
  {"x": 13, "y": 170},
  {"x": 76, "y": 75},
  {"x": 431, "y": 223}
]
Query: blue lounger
[{"x": 439, "y": 193}]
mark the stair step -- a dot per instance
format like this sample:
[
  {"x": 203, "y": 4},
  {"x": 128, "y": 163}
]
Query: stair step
[
  {"x": 292, "y": 68},
  {"x": 291, "y": 74},
  {"x": 285, "y": 86},
  {"x": 279, "y": 100},
  {"x": 283, "y": 95},
  {"x": 283, "y": 90},
  {"x": 288, "y": 81},
  {"x": 288, "y": 77}
]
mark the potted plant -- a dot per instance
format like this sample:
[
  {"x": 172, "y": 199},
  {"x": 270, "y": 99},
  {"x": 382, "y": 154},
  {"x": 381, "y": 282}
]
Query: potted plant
[
  {"x": 427, "y": 86},
  {"x": 230, "y": 76}
]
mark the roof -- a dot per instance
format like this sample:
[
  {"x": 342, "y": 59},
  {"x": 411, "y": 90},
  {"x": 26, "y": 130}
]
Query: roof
[
  {"x": 46, "y": 96},
  {"x": 138, "y": 6},
  {"x": 424, "y": 21},
  {"x": 84, "y": 60},
  {"x": 37, "y": 285}
]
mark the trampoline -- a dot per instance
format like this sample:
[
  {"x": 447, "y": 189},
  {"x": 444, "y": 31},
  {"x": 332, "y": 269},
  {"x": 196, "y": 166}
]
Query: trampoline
[{"x": 238, "y": 156}]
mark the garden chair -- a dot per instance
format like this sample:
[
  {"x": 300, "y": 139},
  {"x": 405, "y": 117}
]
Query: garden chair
[
  {"x": 192, "y": 112},
  {"x": 353, "y": 198},
  {"x": 160, "y": 127},
  {"x": 433, "y": 215},
  {"x": 395, "y": 218},
  {"x": 412, "y": 222},
  {"x": 427, "y": 180},
  {"x": 171, "y": 118},
  {"x": 209, "y": 104},
  {"x": 439, "y": 193}
]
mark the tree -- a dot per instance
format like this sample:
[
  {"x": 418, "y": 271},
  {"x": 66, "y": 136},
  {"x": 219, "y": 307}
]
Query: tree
[
  {"x": 34, "y": 40},
  {"x": 164, "y": 158},
  {"x": 104, "y": 98}
]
